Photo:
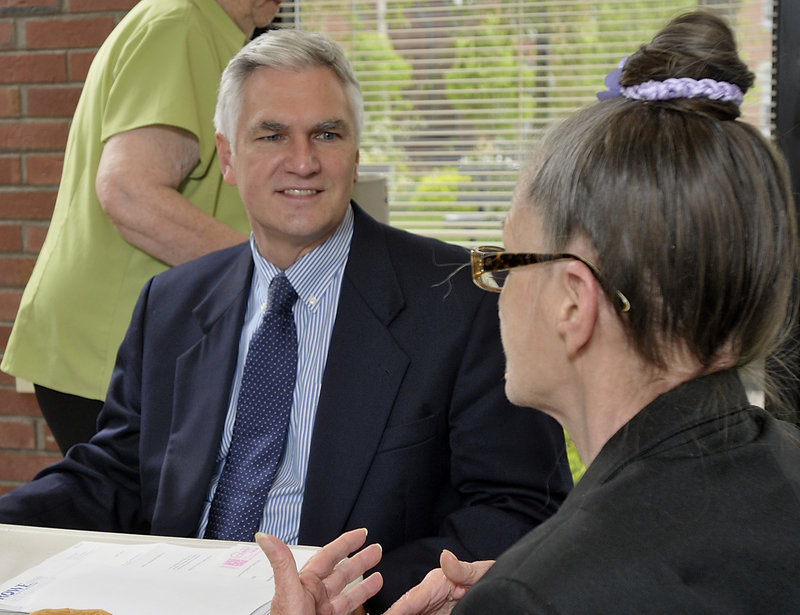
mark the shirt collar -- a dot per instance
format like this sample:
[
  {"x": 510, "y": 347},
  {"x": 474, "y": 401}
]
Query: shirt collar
[{"x": 310, "y": 275}]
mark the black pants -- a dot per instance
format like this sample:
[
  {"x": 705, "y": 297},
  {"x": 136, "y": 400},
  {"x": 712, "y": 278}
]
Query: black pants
[{"x": 72, "y": 419}]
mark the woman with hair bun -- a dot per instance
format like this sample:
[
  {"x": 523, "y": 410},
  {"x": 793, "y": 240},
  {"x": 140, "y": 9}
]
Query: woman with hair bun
[{"x": 650, "y": 256}]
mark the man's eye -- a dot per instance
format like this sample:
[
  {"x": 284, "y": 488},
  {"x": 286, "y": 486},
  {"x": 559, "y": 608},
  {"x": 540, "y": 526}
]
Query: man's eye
[
  {"x": 270, "y": 138},
  {"x": 328, "y": 136}
]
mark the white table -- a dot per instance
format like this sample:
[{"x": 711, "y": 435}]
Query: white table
[{"x": 22, "y": 546}]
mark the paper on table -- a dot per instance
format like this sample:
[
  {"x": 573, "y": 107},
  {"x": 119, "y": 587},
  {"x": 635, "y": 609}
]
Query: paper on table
[{"x": 156, "y": 579}]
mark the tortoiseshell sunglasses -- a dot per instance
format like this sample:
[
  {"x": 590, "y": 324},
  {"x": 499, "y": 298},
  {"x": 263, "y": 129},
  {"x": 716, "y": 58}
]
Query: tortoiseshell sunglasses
[{"x": 491, "y": 264}]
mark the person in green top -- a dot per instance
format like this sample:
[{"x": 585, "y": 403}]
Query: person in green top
[{"x": 141, "y": 191}]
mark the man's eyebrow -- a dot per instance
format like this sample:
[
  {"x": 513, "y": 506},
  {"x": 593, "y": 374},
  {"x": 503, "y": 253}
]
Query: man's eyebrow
[
  {"x": 327, "y": 125},
  {"x": 335, "y": 124},
  {"x": 269, "y": 126}
]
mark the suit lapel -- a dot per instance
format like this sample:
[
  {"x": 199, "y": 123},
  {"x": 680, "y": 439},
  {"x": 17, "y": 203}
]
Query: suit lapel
[
  {"x": 359, "y": 386},
  {"x": 203, "y": 377}
]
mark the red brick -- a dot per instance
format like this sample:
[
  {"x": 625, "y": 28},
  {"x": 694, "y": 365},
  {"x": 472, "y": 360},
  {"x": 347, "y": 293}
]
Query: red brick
[
  {"x": 27, "y": 204},
  {"x": 10, "y": 170},
  {"x": 15, "y": 271},
  {"x": 6, "y": 34},
  {"x": 18, "y": 404},
  {"x": 8, "y": 488},
  {"x": 24, "y": 466},
  {"x": 34, "y": 237},
  {"x": 33, "y": 135},
  {"x": 10, "y": 239},
  {"x": 42, "y": 5},
  {"x": 18, "y": 433},
  {"x": 79, "y": 63},
  {"x": 43, "y": 169},
  {"x": 69, "y": 33},
  {"x": 9, "y": 304},
  {"x": 52, "y": 101},
  {"x": 5, "y": 333},
  {"x": 9, "y": 102},
  {"x": 49, "y": 441},
  {"x": 82, "y": 6},
  {"x": 33, "y": 67}
]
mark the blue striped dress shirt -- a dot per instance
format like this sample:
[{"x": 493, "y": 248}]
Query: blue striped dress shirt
[{"x": 317, "y": 278}]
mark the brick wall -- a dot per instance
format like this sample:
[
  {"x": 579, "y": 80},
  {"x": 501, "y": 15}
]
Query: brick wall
[{"x": 46, "y": 47}]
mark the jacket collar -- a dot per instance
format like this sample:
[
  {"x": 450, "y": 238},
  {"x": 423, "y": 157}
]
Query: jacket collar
[{"x": 672, "y": 425}]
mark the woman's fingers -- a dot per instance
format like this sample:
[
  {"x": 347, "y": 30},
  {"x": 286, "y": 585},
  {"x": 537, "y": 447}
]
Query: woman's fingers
[
  {"x": 325, "y": 577},
  {"x": 280, "y": 558},
  {"x": 463, "y": 573},
  {"x": 430, "y": 597},
  {"x": 353, "y": 597},
  {"x": 350, "y": 568},
  {"x": 290, "y": 595},
  {"x": 325, "y": 560}
]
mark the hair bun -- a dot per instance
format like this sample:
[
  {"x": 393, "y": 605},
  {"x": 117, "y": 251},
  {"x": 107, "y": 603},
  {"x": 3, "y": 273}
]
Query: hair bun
[{"x": 697, "y": 45}]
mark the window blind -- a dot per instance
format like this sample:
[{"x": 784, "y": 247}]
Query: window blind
[{"x": 458, "y": 91}]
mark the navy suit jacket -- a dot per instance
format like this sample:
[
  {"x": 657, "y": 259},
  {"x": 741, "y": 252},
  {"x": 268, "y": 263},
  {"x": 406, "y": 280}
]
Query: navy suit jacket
[{"x": 413, "y": 438}]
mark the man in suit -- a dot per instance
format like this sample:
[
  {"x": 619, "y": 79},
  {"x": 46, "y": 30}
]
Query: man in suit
[{"x": 399, "y": 423}]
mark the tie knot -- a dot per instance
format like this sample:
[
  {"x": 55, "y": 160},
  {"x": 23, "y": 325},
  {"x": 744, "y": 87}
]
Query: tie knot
[{"x": 281, "y": 294}]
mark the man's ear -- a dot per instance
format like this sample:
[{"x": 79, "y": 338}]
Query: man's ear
[
  {"x": 577, "y": 316},
  {"x": 225, "y": 154}
]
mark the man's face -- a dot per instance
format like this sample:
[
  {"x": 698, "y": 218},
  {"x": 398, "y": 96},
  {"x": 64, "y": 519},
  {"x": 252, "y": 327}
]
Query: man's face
[{"x": 294, "y": 159}]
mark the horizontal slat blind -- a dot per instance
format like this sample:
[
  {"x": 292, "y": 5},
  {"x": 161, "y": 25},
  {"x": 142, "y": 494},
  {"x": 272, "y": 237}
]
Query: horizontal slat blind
[{"x": 457, "y": 91}]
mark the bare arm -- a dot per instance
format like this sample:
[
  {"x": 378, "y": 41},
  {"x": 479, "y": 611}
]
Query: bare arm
[{"x": 137, "y": 183}]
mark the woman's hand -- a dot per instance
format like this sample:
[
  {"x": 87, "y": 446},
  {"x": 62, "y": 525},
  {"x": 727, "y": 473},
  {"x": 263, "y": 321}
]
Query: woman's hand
[
  {"x": 442, "y": 588},
  {"x": 319, "y": 588}
]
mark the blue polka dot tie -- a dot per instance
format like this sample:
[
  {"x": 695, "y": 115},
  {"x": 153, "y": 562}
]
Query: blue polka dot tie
[{"x": 262, "y": 420}]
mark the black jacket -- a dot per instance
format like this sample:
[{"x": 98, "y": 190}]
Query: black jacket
[{"x": 692, "y": 507}]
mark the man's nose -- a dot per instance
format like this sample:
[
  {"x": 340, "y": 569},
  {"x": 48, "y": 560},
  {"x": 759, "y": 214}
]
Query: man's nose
[{"x": 302, "y": 158}]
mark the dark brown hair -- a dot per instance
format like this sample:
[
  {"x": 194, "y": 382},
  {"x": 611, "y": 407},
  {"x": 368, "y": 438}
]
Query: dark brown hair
[
  {"x": 698, "y": 45},
  {"x": 690, "y": 211}
]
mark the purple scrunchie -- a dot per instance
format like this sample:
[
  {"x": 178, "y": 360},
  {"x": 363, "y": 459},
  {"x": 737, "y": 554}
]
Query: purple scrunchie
[
  {"x": 684, "y": 87},
  {"x": 612, "y": 82}
]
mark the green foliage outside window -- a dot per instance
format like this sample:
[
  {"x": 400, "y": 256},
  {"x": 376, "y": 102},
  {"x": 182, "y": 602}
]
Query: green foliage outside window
[{"x": 458, "y": 91}]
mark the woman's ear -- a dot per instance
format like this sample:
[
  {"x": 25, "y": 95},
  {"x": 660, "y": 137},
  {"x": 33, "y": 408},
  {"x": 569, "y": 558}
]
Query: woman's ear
[{"x": 577, "y": 315}]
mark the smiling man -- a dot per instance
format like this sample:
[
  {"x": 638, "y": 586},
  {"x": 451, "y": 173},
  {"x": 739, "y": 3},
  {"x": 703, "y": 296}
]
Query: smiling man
[
  {"x": 379, "y": 403},
  {"x": 293, "y": 156}
]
